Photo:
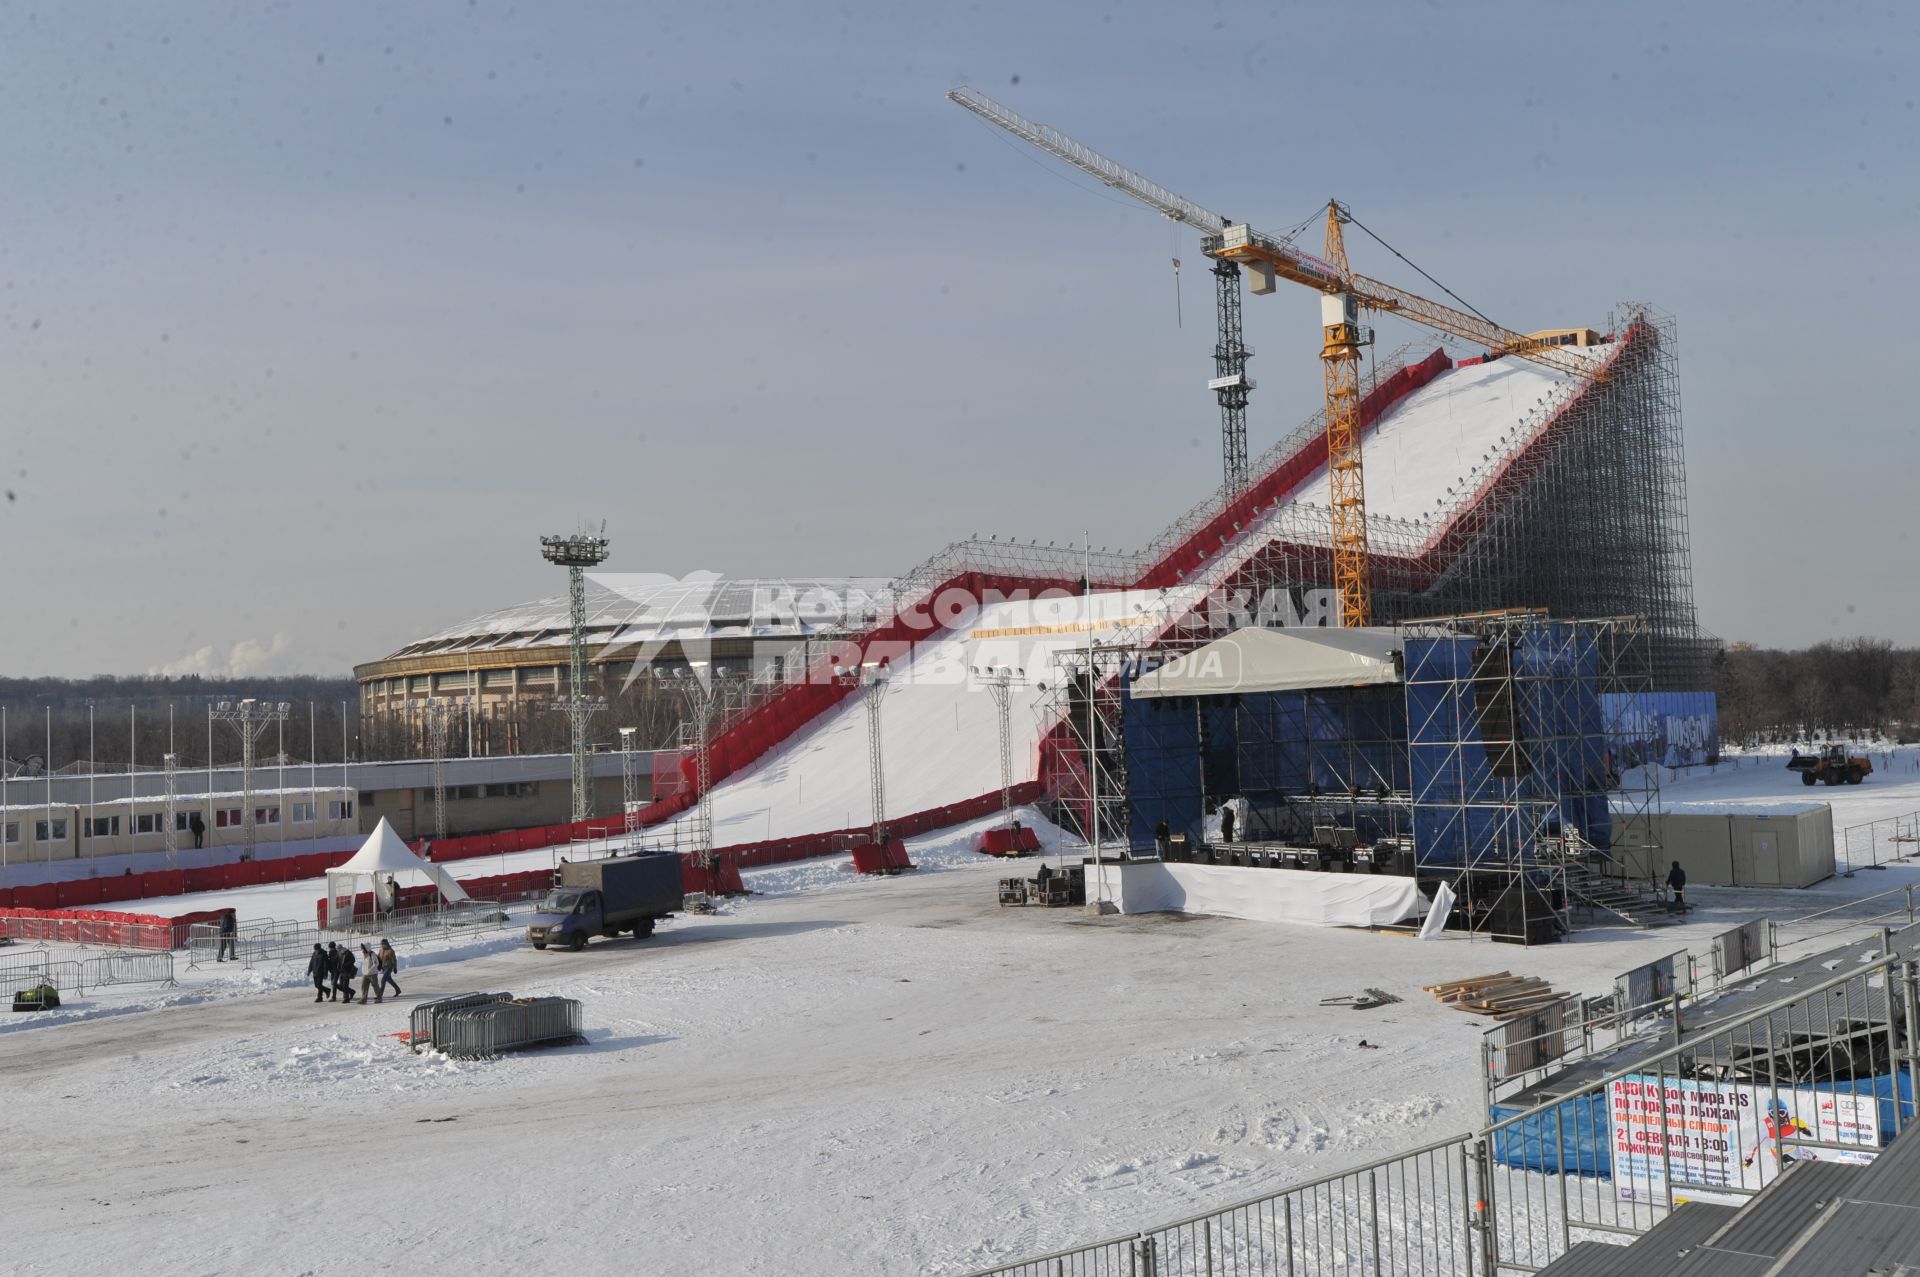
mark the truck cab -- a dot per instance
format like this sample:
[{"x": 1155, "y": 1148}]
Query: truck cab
[{"x": 567, "y": 916}]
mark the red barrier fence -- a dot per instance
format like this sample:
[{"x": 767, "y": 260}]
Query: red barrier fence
[{"x": 103, "y": 926}]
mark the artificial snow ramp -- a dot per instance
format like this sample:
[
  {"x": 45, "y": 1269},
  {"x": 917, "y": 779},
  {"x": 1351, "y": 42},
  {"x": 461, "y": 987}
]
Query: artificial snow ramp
[{"x": 940, "y": 725}]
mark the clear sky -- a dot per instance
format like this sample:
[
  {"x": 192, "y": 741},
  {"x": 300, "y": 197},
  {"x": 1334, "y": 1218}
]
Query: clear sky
[{"x": 314, "y": 317}]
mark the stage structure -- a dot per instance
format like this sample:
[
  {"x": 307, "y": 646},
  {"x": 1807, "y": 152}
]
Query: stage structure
[{"x": 1469, "y": 749}]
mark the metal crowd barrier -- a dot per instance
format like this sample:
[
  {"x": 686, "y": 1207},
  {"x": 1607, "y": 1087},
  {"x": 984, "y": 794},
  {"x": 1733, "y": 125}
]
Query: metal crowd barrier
[
  {"x": 64, "y": 976},
  {"x": 1827, "y": 1074},
  {"x": 128, "y": 968},
  {"x": 480, "y": 1032},
  {"x": 15, "y": 967},
  {"x": 25, "y": 970},
  {"x": 426, "y": 1015}
]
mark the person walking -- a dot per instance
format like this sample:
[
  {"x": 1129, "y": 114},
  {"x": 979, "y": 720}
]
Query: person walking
[
  {"x": 320, "y": 970},
  {"x": 198, "y": 828},
  {"x": 1677, "y": 880},
  {"x": 369, "y": 975},
  {"x": 389, "y": 963},
  {"x": 343, "y": 972},
  {"x": 229, "y": 930}
]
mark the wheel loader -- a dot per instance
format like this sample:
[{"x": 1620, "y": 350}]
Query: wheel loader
[{"x": 1832, "y": 765}]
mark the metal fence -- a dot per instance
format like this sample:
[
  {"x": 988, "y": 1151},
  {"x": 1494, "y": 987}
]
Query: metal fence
[
  {"x": 1717, "y": 1115},
  {"x": 1877, "y": 842},
  {"x": 27, "y": 970},
  {"x": 426, "y": 1014},
  {"x": 280, "y": 940},
  {"x": 481, "y": 1031},
  {"x": 1520, "y": 1051}
]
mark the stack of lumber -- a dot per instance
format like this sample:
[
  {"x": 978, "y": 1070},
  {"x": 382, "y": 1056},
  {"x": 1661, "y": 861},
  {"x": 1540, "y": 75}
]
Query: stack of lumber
[{"x": 1502, "y": 995}]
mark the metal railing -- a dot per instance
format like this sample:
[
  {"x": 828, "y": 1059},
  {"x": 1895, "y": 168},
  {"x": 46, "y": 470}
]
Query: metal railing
[
  {"x": 279, "y": 940},
  {"x": 1901, "y": 913},
  {"x": 1519, "y": 1052},
  {"x": 1875, "y": 843},
  {"x": 426, "y": 1015},
  {"x": 1716, "y": 1115},
  {"x": 27, "y": 970},
  {"x": 478, "y": 1032}
]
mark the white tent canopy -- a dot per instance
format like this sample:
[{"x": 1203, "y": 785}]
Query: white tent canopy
[
  {"x": 1261, "y": 660},
  {"x": 382, "y": 857}
]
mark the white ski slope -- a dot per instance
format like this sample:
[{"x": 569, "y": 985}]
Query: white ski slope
[
  {"x": 1439, "y": 442},
  {"x": 939, "y": 726}
]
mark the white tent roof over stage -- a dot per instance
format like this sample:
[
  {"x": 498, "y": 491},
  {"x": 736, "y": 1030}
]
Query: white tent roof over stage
[{"x": 1261, "y": 660}]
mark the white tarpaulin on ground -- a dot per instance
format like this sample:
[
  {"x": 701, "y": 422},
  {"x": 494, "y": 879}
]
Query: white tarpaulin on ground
[
  {"x": 383, "y": 855},
  {"x": 1258, "y": 660},
  {"x": 1259, "y": 895}
]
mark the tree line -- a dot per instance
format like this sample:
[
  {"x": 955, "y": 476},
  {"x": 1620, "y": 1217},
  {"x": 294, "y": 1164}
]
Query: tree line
[
  {"x": 1840, "y": 689},
  {"x": 113, "y": 722}
]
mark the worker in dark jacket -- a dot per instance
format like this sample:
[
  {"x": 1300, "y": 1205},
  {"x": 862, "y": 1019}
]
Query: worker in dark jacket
[
  {"x": 229, "y": 929},
  {"x": 344, "y": 969},
  {"x": 320, "y": 970},
  {"x": 1677, "y": 880}
]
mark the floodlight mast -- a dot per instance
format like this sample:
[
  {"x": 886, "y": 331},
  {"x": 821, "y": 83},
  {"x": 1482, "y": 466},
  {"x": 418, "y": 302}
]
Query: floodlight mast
[
  {"x": 249, "y": 718},
  {"x": 1001, "y": 680},
  {"x": 576, "y": 554}
]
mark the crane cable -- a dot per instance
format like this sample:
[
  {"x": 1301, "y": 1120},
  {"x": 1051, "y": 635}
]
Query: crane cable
[{"x": 1423, "y": 274}]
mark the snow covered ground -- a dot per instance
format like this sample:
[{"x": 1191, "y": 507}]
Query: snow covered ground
[{"x": 838, "y": 1075}]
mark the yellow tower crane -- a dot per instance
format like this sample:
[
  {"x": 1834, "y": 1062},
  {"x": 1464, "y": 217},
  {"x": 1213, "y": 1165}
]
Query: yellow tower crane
[{"x": 1343, "y": 295}]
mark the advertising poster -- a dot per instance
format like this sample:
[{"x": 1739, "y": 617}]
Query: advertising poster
[
  {"x": 1727, "y": 1136},
  {"x": 1673, "y": 729}
]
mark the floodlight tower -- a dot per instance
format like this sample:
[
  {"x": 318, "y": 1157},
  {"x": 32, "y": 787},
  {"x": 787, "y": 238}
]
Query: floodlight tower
[
  {"x": 250, "y": 718},
  {"x": 576, "y": 554},
  {"x": 1001, "y": 680},
  {"x": 874, "y": 678}
]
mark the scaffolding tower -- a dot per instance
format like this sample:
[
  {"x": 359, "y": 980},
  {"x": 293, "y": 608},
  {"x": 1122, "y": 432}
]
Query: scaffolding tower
[{"x": 1515, "y": 797}]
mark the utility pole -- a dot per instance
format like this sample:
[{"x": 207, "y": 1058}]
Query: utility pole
[
  {"x": 249, "y": 718},
  {"x": 576, "y": 554}
]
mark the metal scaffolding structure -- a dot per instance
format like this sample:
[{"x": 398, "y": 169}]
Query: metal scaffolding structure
[
  {"x": 437, "y": 713},
  {"x": 171, "y": 763},
  {"x": 1514, "y": 794},
  {"x": 629, "y": 785},
  {"x": 1230, "y": 381},
  {"x": 249, "y": 718}
]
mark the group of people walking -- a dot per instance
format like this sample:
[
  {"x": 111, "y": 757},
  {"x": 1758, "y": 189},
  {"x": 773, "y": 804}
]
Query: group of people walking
[{"x": 333, "y": 967}]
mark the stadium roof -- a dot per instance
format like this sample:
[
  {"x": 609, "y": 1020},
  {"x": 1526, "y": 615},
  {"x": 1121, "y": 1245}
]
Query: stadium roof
[{"x": 636, "y": 606}]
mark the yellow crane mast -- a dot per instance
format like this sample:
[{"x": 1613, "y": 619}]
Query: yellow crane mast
[{"x": 1343, "y": 295}]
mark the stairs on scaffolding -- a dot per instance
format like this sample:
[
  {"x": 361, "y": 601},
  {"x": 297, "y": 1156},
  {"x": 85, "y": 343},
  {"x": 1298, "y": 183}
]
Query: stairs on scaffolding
[{"x": 1594, "y": 884}]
